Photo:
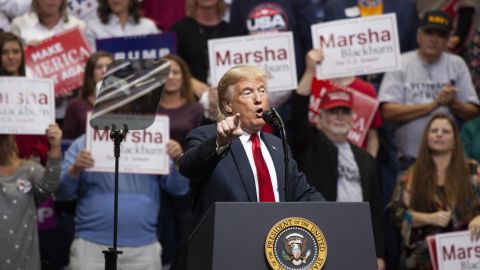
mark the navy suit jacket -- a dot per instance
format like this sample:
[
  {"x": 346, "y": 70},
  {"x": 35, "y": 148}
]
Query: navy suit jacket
[{"x": 229, "y": 177}]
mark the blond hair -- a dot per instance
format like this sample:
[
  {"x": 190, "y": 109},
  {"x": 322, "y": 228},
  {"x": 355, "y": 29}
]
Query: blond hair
[{"x": 235, "y": 75}]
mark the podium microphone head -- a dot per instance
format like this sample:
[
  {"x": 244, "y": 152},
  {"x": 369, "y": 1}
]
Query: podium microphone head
[
  {"x": 269, "y": 117},
  {"x": 273, "y": 118}
]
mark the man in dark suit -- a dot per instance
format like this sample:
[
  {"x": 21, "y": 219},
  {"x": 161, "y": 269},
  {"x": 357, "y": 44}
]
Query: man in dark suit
[
  {"x": 338, "y": 169},
  {"x": 233, "y": 161}
]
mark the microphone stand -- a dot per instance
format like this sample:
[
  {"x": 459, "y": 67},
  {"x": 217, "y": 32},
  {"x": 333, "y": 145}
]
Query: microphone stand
[
  {"x": 112, "y": 253},
  {"x": 275, "y": 119}
]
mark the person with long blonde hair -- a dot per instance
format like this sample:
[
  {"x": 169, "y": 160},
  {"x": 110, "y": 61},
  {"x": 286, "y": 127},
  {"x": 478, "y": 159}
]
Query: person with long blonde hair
[{"x": 437, "y": 194}]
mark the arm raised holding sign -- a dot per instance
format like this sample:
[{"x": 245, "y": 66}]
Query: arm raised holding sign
[
  {"x": 139, "y": 201},
  {"x": 321, "y": 150},
  {"x": 25, "y": 184},
  {"x": 365, "y": 92}
]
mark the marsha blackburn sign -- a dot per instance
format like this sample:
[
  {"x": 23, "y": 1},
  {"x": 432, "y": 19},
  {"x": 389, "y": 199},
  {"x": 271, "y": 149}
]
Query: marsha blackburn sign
[
  {"x": 357, "y": 46},
  {"x": 27, "y": 106},
  {"x": 454, "y": 251},
  {"x": 273, "y": 52},
  {"x": 142, "y": 151}
]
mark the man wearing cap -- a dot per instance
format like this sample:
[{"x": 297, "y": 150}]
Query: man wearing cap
[
  {"x": 430, "y": 80},
  {"x": 338, "y": 169}
]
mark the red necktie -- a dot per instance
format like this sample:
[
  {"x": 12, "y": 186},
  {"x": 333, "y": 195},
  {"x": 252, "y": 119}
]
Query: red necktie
[{"x": 265, "y": 188}]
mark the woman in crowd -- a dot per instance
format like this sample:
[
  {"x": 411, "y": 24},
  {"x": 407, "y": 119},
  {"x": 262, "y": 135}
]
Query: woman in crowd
[
  {"x": 203, "y": 22},
  {"x": 178, "y": 102},
  {"x": 12, "y": 63},
  {"x": 438, "y": 193},
  {"x": 76, "y": 114},
  {"x": 32, "y": 147},
  {"x": 13, "y": 56},
  {"x": 118, "y": 18},
  {"x": 24, "y": 185},
  {"x": 46, "y": 19}
]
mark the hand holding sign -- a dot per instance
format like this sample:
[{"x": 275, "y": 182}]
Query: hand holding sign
[
  {"x": 314, "y": 57},
  {"x": 474, "y": 228},
  {"x": 54, "y": 135},
  {"x": 174, "y": 150},
  {"x": 228, "y": 129}
]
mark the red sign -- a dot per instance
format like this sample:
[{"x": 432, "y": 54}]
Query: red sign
[
  {"x": 364, "y": 108},
  {"x": 61, "y": 58},
  {"x": 432, "y": 250}
]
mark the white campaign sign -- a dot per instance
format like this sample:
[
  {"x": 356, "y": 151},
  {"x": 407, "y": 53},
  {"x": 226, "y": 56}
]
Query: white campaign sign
[
  {"x": 27, "y": 106},
  {"x": 142, "y": 151},
  {"x": 273, "y": 52},
  {"x": 357, "y": 46},
  {"x": 456, "y": 251}
]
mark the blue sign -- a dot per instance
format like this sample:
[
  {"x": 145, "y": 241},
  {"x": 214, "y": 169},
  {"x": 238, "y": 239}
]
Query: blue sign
[{"x": 139, "y": 47}]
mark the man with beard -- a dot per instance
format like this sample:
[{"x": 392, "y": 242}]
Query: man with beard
[{"x": 338, "y": 169}]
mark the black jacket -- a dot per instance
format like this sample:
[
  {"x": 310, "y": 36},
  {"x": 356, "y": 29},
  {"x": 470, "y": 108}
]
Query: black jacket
[{"x": 317, "y": 157}]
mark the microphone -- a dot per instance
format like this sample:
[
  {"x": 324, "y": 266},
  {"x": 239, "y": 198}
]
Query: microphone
[{"x": 273, "y": 118}]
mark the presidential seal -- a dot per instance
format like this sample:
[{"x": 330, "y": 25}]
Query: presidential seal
[{"x": 295, "y": 244}]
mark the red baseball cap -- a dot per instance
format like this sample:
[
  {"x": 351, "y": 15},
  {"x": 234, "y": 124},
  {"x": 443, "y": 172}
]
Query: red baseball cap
[{"x": 336, "y": 98}]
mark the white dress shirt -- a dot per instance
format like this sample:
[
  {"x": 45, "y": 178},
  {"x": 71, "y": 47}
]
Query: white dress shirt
[
  {"x": 97, "y": 30},
  {"x": 247, "y": 145}
]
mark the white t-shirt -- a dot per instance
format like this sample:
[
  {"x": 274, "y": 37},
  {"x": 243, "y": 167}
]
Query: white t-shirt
[
  {"x": 97, "y": 30},
  {"x": 419, "y": 83},
  {"x": 349, "y": 188}
]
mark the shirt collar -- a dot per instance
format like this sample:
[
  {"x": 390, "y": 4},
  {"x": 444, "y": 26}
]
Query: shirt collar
[
  {"x": 113, "y": 19},
  {"x": 35, "y": 21},
  {"x": 245, "y": 138}
]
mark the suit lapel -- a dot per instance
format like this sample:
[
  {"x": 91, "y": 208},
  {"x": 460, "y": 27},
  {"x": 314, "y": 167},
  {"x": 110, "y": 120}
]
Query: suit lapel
[
  {"x": 362, "y": 171},
  {"x": 276, "y": 152},
  {"x": 244, "y": 169}
]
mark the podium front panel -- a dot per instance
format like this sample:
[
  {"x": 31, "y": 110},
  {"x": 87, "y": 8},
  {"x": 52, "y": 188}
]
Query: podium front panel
[{"x": 240, "y": 230}]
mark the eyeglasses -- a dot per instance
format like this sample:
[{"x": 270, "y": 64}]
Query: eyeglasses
[{"x": 339, "y": 110}]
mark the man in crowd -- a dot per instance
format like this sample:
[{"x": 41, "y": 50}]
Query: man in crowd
[
  {"x": 430, "y": 80},
  {"x": 139, "y": 206},
  {"x": 338, "y": 169}
]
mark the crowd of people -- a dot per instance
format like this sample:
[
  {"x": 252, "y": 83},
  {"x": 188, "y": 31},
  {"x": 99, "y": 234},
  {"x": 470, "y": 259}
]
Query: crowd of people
[{"x": 416, "y": 167}]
